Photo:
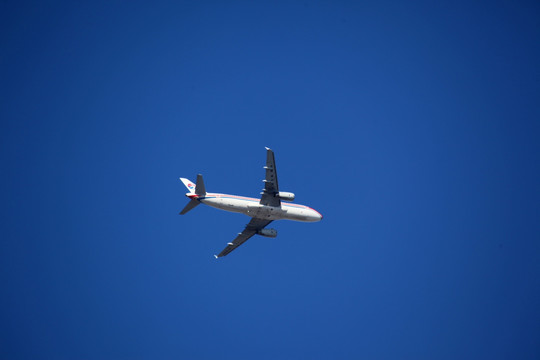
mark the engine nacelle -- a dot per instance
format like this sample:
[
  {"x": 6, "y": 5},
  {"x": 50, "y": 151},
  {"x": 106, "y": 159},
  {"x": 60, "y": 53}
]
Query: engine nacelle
[
  {"x": 285, "y": 196},
  {"x": 268, "y": 232}
]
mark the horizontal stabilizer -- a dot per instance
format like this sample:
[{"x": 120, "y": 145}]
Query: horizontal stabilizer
[
  {"x": 199, "y": 186},
  {"x": 190, "y": 205}
]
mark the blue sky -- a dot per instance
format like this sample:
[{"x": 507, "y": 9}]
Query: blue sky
[{"x": 412, "y": 127}]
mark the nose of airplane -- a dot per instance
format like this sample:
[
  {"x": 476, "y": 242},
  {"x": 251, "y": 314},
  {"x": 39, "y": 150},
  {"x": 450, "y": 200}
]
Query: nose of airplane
[{"x": 313, "y": 215}]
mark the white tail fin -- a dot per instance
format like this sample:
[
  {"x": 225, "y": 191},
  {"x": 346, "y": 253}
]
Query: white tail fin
[{"x": 189, "y": 184}]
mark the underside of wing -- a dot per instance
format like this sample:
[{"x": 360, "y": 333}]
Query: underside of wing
[
  {"x": 251, "y": 229},
  {"x": 271, "y": 187}
]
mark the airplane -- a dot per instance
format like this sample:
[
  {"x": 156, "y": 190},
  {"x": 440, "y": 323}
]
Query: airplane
[{"x": 262, "y": 211}]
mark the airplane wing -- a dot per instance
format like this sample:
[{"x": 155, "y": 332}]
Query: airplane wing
[
  {"x": 271, "y": 187},
  {"x": 251, "y": 229}
]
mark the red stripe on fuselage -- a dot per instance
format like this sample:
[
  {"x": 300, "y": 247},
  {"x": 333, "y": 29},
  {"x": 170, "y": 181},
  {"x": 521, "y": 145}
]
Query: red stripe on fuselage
[{"x": 257, "y": 200}]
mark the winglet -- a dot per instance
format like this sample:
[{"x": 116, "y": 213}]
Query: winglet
[
  {"x": 216, "y": 256},
  {"x": 267, "y": 148}
]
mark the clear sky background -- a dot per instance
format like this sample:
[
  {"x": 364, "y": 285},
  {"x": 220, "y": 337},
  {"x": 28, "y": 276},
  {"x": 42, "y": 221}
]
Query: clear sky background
[{"x": 413, "y": 127}]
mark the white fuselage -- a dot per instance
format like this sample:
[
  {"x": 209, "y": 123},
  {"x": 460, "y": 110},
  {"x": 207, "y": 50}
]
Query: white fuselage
[{"x": 251, "y": 207}]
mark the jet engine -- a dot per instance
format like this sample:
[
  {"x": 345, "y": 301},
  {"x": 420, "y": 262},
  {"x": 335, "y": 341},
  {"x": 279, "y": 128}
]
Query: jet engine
[
  {"x": 268, "y": 232},
  {"x": 285, "y": 196}
]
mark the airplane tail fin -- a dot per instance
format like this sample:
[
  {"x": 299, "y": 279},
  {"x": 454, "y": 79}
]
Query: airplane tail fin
[
  {"x": 194, "y": 189},
  {"x": 189, "y": 184}
]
